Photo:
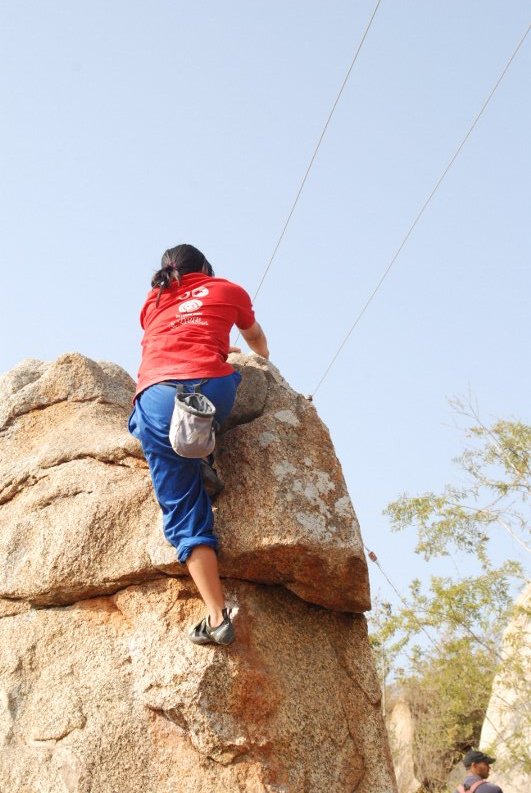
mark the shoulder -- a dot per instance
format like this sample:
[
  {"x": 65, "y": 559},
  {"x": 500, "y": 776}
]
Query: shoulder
[
  {"x": 489, "y": 787},
  {"x": 149, "y": 302},
  {"x": 230, "y": 287},
  {"x": 483, "y": 787}
]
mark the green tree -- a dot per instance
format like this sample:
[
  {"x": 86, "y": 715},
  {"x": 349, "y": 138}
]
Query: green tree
[
  {"x": 448, "y": 692},
  {"x": 447, "y": 633}
]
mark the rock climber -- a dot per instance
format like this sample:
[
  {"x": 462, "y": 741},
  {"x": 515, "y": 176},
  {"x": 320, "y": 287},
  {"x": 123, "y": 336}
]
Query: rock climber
[{"x": 187, "y": 318}]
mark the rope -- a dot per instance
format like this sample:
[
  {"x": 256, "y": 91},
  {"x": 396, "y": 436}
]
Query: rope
[
  {"x": 314, "y": 155},
  {"x": 420, "y": 213},
  {"x": 372, "y": 556}
]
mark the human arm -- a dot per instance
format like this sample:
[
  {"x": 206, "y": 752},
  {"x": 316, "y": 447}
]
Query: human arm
[{"x": 256, "y": 339}]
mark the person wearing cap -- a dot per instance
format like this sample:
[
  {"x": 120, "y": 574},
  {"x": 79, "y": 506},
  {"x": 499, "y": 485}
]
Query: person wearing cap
[
  {"x": 187, "y": 318},
  {"x": 478, "y": 766}
]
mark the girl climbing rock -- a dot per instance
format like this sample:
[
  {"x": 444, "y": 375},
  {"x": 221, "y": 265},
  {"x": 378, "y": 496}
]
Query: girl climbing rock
[{"x": 187, "y": 318}]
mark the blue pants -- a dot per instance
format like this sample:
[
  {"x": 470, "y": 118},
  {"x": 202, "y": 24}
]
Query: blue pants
[{"x": 187, "y": 513}]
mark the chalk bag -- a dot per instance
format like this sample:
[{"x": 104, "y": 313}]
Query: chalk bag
[{"x": 192, "y": 427}]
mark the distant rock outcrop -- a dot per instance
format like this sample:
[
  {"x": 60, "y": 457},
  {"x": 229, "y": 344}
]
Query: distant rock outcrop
[
  {"x": 100, "y": 690},
  {"x": 401, "y": 729},
  {"x": 507, "y": 727}
]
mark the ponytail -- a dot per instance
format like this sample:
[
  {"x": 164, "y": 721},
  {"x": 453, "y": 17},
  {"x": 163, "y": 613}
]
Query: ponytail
[{"x": 177, "y": 262}]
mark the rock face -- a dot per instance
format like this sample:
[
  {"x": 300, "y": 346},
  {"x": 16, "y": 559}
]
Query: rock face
[
  {"x": 78, "y": 513},
  {"x": 100, "y": 690},
  {"x": 506, "y": 730}
]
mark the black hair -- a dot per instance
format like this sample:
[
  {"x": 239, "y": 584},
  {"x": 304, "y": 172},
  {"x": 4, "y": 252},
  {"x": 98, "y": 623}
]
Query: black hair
[{"x": 179, "y": 261}]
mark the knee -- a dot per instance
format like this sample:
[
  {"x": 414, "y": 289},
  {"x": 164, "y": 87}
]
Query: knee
[{"x": 187, "y": 545}]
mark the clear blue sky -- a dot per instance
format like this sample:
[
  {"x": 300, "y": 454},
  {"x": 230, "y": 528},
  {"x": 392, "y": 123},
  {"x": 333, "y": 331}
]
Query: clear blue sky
[{"x": 129, "y": 127}]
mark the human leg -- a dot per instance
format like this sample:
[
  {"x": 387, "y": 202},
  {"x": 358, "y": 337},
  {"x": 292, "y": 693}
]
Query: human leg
[
  {"x": 203, "y": 562},
  {"x": 203, "y": 567},
  {"x": 178, "y": 485},
  {"x": 186, "y": 511},
  {"x": 222, "y": 392}
]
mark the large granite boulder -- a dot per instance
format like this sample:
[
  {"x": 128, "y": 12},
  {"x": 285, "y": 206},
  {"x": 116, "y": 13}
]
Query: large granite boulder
[
  {"x": 506, "y": 731},
  {"x": 100, "y": 690},
  {"x": 108, "y": 696},
  {"x": 79, "y": 517}
]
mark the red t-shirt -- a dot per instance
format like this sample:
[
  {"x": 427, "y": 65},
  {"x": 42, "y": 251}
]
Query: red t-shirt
[{"x": 187, "y": 335}]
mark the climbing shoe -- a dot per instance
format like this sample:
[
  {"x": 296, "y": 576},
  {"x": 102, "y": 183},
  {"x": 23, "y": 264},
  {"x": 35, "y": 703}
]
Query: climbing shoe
[
  {"x": 202, "y": 633},
  {"x": 212, "y": 482}
]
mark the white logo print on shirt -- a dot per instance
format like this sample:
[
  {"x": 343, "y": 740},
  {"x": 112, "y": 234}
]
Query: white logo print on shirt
[
  {"x": 199, "y": 291},
  {"x": 189, "y": 306},
  {"x": 189, "y": 310}
]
